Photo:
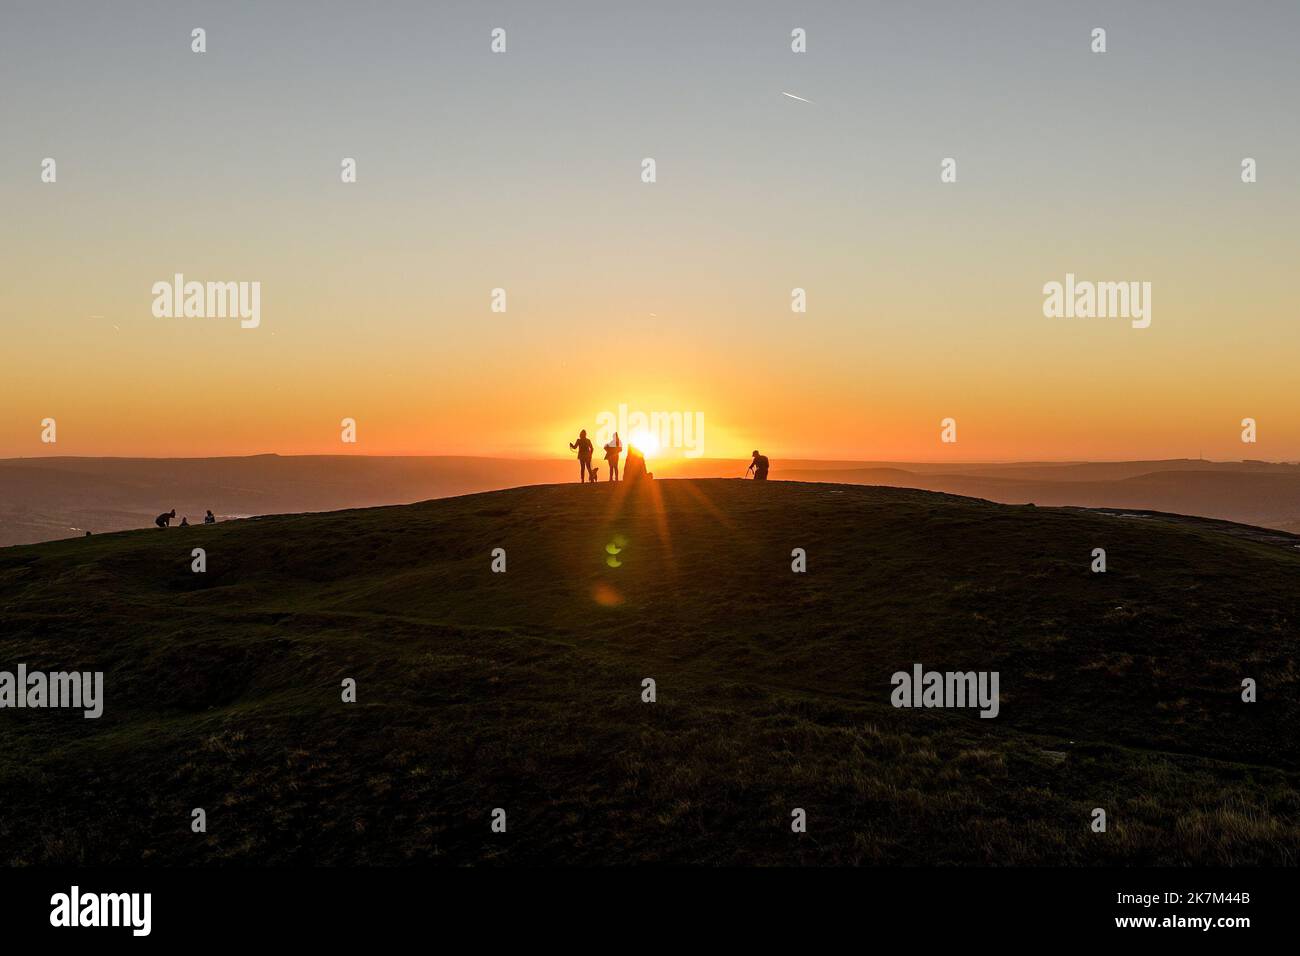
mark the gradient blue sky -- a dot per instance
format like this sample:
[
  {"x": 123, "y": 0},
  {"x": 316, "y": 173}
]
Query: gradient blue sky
[{"x": 478, "y": 171}]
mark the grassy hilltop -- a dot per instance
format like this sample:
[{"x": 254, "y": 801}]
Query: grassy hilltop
[{"x": 523, "y": 690}]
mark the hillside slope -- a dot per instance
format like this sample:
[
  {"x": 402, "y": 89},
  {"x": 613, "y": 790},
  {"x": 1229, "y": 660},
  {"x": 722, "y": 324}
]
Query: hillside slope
[
  {"x": 44, "y": 499},
  {"x": 523, "y": 690}
]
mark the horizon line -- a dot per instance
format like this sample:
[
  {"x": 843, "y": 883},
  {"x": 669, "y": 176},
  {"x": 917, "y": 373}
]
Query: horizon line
[{"x": 662, "y": 460}]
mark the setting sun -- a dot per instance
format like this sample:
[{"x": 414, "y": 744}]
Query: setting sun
[{"x": 645, "y": 442}]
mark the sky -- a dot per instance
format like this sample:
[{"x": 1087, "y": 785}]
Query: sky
[{"x": 522, "y": 171}]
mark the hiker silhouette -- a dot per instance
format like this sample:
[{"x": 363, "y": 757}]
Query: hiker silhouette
[
  {"x": 209, "y": 518},
  {"x": 758, "y": 466},
  {"x": 584, "y": 448},
  {"x": 164, "y": 519},
  {"x": 612, "y": 449}
]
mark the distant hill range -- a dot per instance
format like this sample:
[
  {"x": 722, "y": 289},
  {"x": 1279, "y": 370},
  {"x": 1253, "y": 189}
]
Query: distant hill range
[
  {"x": 42, "y": 499},
  {"x": 1251, "y": 492}
]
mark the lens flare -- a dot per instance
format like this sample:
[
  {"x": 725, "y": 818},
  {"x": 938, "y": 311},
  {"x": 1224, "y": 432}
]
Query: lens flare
[{"x": 606, "y": 596}]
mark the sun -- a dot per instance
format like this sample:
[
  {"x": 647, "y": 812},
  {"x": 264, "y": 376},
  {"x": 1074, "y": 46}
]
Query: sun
[{"x": 645, "y": 442}]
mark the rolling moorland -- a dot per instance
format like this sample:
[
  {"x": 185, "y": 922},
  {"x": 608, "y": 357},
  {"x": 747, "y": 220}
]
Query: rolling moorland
[{"x": 522, "y": 690}]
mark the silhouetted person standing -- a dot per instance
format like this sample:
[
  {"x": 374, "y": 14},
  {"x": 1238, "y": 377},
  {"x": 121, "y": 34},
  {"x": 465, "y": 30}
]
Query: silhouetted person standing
[
  {"x": 758, "y": 466},
  {"x": 164, "y": 519},
  {"x": 611, "y": 456},
  {"x": 584, "y": 448}
]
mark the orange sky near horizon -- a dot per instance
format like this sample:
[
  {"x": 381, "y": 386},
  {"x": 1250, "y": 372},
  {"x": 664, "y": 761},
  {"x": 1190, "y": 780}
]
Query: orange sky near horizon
[{"x": 867, "y": 373}]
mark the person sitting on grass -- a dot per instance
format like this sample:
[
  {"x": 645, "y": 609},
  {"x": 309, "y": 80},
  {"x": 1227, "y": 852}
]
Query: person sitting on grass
[
  {"x": 164, "y": 519},
  {"x": 634, "y": 467}
]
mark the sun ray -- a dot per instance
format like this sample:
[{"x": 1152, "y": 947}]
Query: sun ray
[{"x": 723, "y": 518}]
